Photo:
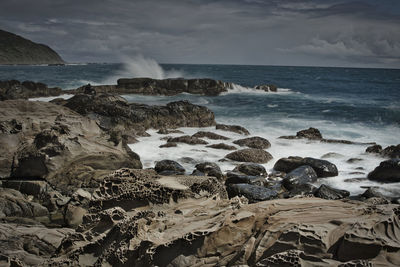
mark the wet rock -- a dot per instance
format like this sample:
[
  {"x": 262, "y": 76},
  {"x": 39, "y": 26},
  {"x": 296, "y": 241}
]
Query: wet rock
[
  {"x": 375, "y": 149},
  {"x": 254, "y": 142},
  {"x": 239, "y": 178},
  {"x": 332, "y": 155},
  {"x": 252, "y": 169},
  {"x": 210, "y": 169},
  {"x": 250, "y": 155},
  {"x": 323, "y": 168},
  {"x": 210, "y": 135},
  {"x": 310, "y": 133},
  {"x": 371, "y": 192},
  {"x": 169, "y": 131},
  {"x": 327, "y": 192},
  {"x": 169, "y": 144},
  {"x": 232, "y": 128},
  {"x": 300, "y": 190},
  {"x": 253, "y": 193},
  {"x": 188, "y": 160},
  {"x": 267, "y": 87},
  {"x": 169, "y": 167},
  {"x": 222, "y": 146},
  {"x": 299, "y": 176},
  {"x": 16, "y": 90},
  {"x": 354, "y": 160},
  {"x": 187, "y": 139},
  {"x": 387, "y": 172},
  {"x": 391, "y": 152}
]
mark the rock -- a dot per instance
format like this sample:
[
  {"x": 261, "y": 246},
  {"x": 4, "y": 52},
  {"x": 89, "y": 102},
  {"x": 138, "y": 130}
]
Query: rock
[
  {"x": 375, "y": 149},
  {"x": 232, "y": 128},
  {"x": 391, "y": 152},
  {"x": 353, "y": 160},
  {"x": 222, "y": 146},
  {"x": 388, "y": 171},
  {"x": 254, "y": 142},
  {"x": 16, "y": 90},
  {"x": 210, "y": 135},
  {"x": 169, "y": 144},
  {"x": 187, "y": 139},
  {"x": 267, "y": 88},
  {"x": 28, "y": 187},
  {"x": 210, "y": 169},
  {"x": 300, "y": 190},
  {"x": 252, "y": 169},
  {"x": 327, "y": 192},
  {"x": 169, "y": 167},
  {"x": 323, "y": 168},
  {"x": 15, "y": 49},
  {"x": 74, "y": 215},
  {"x": 169, "y": 131},
  {"x": 299, "y": 176},
  {"x": 253, "y": 193},
  {"x": 238, "y": 178},
  {"x": 14, "y": 204},
  {"x": 310, "y": 133},
  {"x": 57, "y": 144},
  {"x": 332, "y": 155},
  {"x": 250, "y": 155},
  {"x": 371, "y": 192}
]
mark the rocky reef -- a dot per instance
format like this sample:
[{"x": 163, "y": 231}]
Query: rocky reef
[{"x": 74, "y": 194}]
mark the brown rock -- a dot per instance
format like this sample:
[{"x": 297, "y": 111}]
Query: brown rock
[
  {"x": 250, "y": 155},
  {"x": 222, "y": 146},
  {"x": 254, "y": 142},
  {"x": 232, "y": 128}
]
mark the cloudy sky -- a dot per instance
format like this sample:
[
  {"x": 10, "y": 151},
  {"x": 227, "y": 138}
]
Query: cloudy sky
[{"x": 363, "y": 33}]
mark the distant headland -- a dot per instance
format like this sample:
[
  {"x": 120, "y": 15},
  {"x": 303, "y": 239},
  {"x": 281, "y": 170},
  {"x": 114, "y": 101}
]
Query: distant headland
[{"x": 16, "y": 50}]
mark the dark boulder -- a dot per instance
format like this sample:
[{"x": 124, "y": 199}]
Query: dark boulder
[
  {"x": 310, "y": 133},
  {"x": 388, "y": 171},
  {"x": 391, "y": 152},
  {"x": 187, "y": 139},
  {"x": 169, "y": 144},
  {"x": 253, "y": 193},
  {"x": 16, "y": 90},
  {"x": 222, "y": 146},
  {"x": 232, "y": 128},
  {"x": 299, "y": 176},
  {"x": 327, "y": 192},
  {"x": 267, "y": 87},
  {"x": 254, "y": 142},
  {"x": 210, "y": 135},
  {"x": 250, "y": 155},
  {"x": 168, "y": 131},
  {"x": 239, "y": 178},
  {"x": 169, "y": 167},
  {"x": 252, "y": 169},
  {"x": 371, "y": 192},
  {"x": 323, "y": 168},
  {"x": 375, "y": 149},
  {"x": 209, "y": 169},
  {"x": 300, "y": 190}
]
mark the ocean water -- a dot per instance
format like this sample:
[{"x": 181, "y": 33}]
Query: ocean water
[{"x": 361, "y": 105}]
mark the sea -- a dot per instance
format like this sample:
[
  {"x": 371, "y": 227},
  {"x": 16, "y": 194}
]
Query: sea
[{"x": 361, "y": 105}]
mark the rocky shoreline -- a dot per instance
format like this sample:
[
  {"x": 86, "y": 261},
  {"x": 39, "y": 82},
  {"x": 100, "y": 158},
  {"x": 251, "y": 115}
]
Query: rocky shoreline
[{"x": 74, "y": 194}]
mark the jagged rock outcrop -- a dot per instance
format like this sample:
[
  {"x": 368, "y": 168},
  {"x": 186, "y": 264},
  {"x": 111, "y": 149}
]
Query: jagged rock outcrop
[
  {"x": 15, "y": 49},
  {"x": 13, "y": 89},
  {"x": 389, "y": 152},
  {"x": 57, "y": 144},
  {"x": 115, "y": 113},
  {"x": 202, "y": 231}
]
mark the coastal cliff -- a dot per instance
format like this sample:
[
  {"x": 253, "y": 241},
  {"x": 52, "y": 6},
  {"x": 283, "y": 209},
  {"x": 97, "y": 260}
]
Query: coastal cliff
[{"x": 15, "y": 49}]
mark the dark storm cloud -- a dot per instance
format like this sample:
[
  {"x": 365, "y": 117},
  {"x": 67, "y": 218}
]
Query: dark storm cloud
[{"x": 286, "y": 32}]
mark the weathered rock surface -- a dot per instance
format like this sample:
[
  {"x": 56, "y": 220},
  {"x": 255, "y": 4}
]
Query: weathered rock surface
[
  {"x": 299, "y": 176},
  {"x": 254, "y": 142},
  {"x": 15, "y": 204},
  {"x": 114, "y": 112},
  {"x": 252, "y": 169},
  {"x": 232, "y": 128},
  {"x": 222, "y": 146},
  {"x": 327, "y": 192},
  {"x": 254, "y": 193},
  {"x": 210, "y": 135},
  {"x": 187, "y": 139},
  {"x": 388, "y": 171},
  {"x": 59, "y": 145},
  {"x": 169, "y": 167},
  {"x": 323, "y": 168},
  {"x": 250, "y": 155},
  {"x": 267, "y": 87},
  {"x": 13, "y": 89}
]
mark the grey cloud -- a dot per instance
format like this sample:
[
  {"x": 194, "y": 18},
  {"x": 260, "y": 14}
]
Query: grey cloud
[{"x": 287, "y": 32}]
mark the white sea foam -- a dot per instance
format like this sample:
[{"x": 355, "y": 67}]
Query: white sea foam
[
  {"x": 49, "y": 98},
  {"x": 239, "y": 89},
  {"x": 149, "y": 151}
]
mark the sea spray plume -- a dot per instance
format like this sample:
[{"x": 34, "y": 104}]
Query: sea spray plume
[{"x": 141, "y": 67}]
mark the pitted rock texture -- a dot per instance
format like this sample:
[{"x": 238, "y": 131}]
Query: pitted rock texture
[
  {"x": 232, "y": 128},
  {"x": 254, "y": 142},
  {"x": 210, "y": 135},
  {"x": 209, "y": 232},
  {"x": 250, "y": 155}
]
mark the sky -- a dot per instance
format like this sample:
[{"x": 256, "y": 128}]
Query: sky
[{"x": 363, "y": 33}]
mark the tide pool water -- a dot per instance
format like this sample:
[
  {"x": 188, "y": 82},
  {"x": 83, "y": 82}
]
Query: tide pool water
[{"x": 361, "y": 105}]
